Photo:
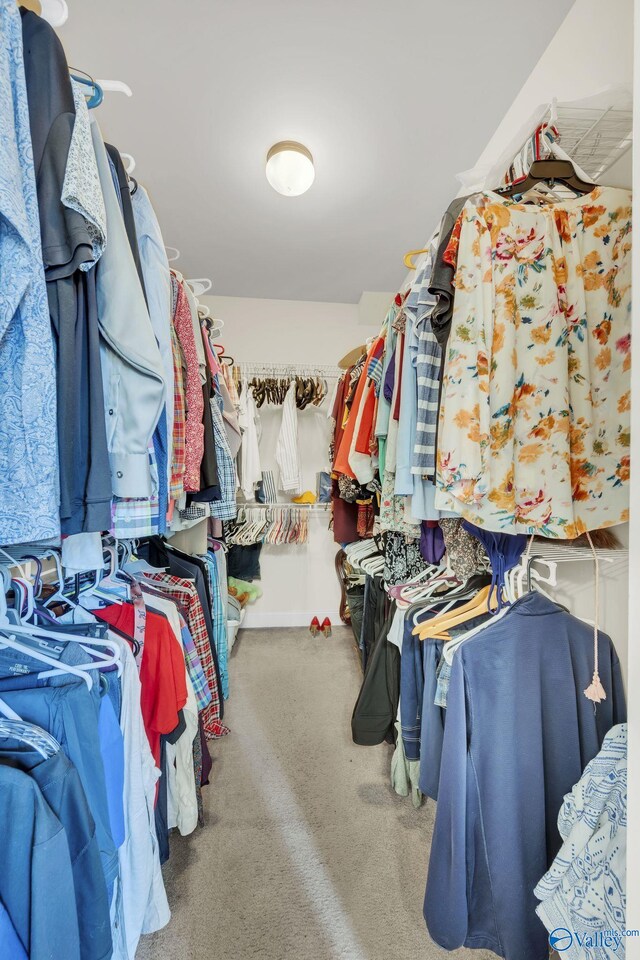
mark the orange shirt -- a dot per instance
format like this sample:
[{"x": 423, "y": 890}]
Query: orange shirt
[{"x": 341, "y": 464}]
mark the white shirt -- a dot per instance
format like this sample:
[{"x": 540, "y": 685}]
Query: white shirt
[
  {"x": 287, "y": 452},
  {"x": 250, "y": 467},
  {"x": 182, "y": 798}
]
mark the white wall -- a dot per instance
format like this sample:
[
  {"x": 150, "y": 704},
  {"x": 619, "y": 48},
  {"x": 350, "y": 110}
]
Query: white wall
[
  {"x": 295, "y": 331},
  {"x": 633, "y": 833},
  {"x": 298, "y": 580}
]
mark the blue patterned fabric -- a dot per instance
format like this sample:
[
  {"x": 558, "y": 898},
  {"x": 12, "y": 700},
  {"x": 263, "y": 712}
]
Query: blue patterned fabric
[
  {"x": 585, "y": 890},
  {"x": 427, "y": 361},
  {"x": 225, "y": 508},
  {"x": 219, "y": 621},
  {"x": 28, "y": 433}
]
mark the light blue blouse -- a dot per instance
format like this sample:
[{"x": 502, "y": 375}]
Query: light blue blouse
[{"x": 29, "y": 491}]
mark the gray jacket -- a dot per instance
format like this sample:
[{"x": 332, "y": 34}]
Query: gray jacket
[{"x": 132, "y": 368}]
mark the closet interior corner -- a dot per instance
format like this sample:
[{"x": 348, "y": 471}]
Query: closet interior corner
[{"x": 310, "y": 443}]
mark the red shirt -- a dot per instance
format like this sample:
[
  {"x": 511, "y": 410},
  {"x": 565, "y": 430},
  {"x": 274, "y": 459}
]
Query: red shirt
[{"x": 163, "y": 675}]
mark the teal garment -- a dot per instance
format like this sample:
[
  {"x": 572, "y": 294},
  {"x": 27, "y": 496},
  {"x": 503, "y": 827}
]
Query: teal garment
[
  {"x": 218, "y": 620},
  {"x": 36, "y": 880}
]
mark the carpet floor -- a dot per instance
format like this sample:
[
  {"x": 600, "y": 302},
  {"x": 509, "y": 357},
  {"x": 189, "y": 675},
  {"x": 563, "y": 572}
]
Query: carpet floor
[{"x": 307, "y": 853}]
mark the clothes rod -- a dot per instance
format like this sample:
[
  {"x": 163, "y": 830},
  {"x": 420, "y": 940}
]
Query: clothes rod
[
  {"x": 284, "y": 369},
  {"x": 282, "y": 505}
]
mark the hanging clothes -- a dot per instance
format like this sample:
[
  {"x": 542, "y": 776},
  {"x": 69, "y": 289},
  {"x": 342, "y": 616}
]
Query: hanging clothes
[
  {"x": 194, "y": 429},
  {"x": 157, "y": 284},
  {"x": 287, "y": 450},
  {"x": 509, "y": 834},
  {"x": 249, "y": 421},
  {"x": 585, "y": 889},
  {"x": 37, "y": 872},
  {"x": 534, "y": 423},
  {"x": 28, "y": 425},
  {"x": 131, "y": 362}
]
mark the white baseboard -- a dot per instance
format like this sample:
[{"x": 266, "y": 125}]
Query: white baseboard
[{"x": 254, "y": 619}]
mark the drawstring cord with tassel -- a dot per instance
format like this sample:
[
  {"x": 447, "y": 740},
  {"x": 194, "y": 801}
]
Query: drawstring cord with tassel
[{"x": 595, "y": 691}]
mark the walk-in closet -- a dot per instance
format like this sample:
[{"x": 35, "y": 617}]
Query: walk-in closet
[{"x": 319, "y": 537}]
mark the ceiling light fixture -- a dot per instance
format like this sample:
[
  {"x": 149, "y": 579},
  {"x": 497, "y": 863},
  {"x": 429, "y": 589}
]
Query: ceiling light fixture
[{"x": 290, "y": 168}]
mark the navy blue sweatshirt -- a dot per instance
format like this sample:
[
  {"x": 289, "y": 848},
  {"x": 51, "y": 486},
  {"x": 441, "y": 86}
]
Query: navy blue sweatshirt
[{"x": 518, "y": 734}]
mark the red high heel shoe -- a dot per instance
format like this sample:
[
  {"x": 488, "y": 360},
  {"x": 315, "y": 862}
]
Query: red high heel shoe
[
  {"x": 314, "y": 627},
  {"x": 326, "y": 627}
]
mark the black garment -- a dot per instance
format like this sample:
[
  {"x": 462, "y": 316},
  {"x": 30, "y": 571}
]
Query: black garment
[
  {"x": 355, "y": 600},
  {"x": 209, "y": 483},
  {"x": 127, "y": 210},
  {"x": 65, "y": 239},
  {"x": 373, "y": 616},
  {"x": 85, "y": 477},
  {"x": 402, "y": 558},
  {"x": 442, "y": 274},
  {"x": 161, "y": 808},
  {"x": 441, "y": 286},
  {"x": 376, "y": 708},
  {"x": 243, "y": 562},
  {"x": 207, "y": 762},
  {"x": 160, "y": 554}
]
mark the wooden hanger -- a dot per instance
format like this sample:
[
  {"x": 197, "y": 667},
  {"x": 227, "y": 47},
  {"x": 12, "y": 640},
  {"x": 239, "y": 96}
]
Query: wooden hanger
[
  {"x": 352, "y": 357},
  {"x": 439, "y": 625}
]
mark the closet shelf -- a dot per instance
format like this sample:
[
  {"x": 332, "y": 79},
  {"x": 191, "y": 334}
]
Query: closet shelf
[
  {"x": 562, "y": 552},
  {"x": 595, "y": 138}
]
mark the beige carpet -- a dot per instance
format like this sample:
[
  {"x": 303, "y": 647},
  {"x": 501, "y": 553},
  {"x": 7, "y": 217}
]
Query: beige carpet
[{"x": 307, "y": 853}]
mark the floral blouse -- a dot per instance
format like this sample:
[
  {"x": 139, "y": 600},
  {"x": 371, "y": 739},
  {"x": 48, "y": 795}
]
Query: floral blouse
[{"x": 534, "y": 421}]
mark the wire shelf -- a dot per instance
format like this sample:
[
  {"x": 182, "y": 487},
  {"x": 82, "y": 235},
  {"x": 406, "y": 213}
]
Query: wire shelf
[
  {"x": 562, "y": 552},
  {"x": 594, "y": 139}
]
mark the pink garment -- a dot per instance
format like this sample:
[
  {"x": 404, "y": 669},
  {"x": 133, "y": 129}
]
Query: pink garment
[
  {"x": 194, "y": 433},
  {"x": 212, "y": 359}
]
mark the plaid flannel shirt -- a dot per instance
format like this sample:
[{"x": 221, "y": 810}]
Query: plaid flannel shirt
[
  {"x": 225, "y": 508},
  {"x": 185, "y": 593},
  {"x": 131, "y": 518},
  {"x": 194, "y": 666}
]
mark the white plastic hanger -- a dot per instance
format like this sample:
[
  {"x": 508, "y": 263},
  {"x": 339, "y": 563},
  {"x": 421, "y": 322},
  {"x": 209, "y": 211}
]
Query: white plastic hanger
[
  {"x": 13, "y": 644},
  {"x": 12, "y": 725},
  {"x": 130, "y": 163},
  {"x": 115, "y": 86},
  {"x": 173, "y": 254},
  {"x": 55, "y": 12},
  {"x": 200, "y": 286}
]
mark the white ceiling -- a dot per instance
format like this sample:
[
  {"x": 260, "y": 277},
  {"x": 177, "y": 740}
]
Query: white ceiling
[{"x": 392, "y": 97}]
